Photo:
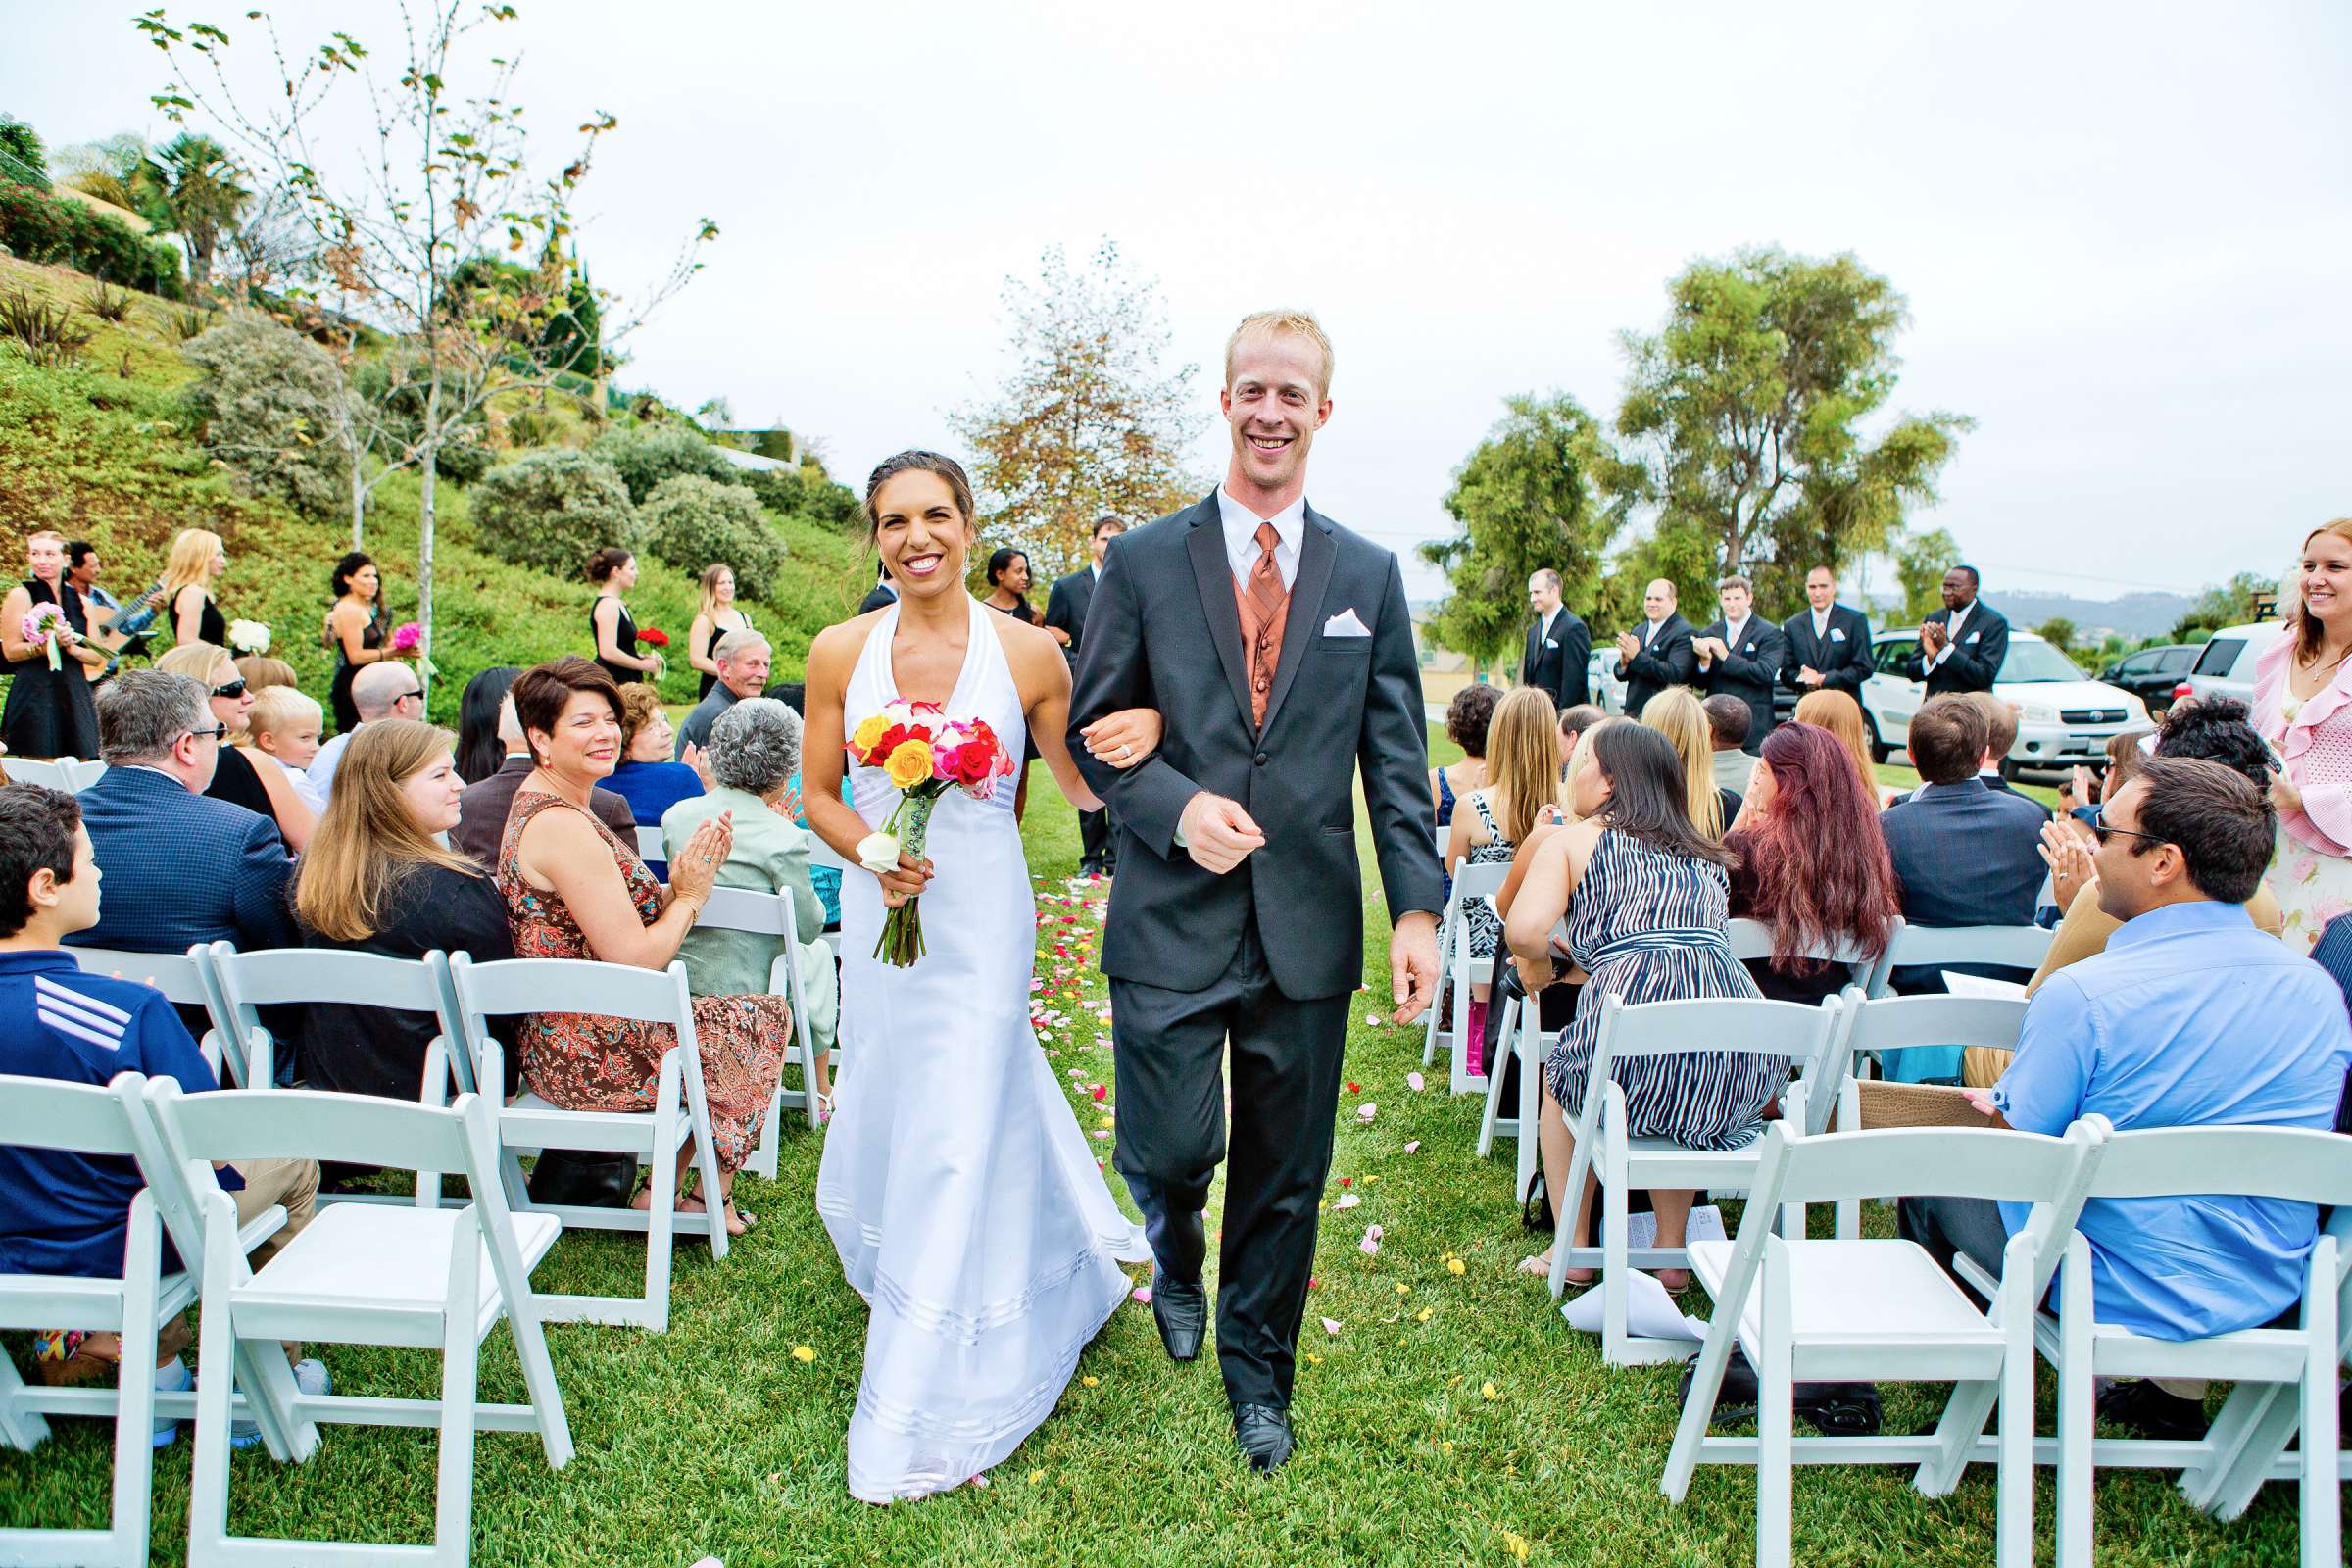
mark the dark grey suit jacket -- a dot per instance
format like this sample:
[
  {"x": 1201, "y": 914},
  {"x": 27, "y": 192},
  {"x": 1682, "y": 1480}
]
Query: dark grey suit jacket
[
  {"x": 1844, "y": 662},
  {"x": 1561, "y": 663},
  {"x": 1066, "y": 607},
  {"x": 1667, "y": 662},
  {"x": 1748, "y": 674},
  {"x": 1965, "y": 855},
  {"x": 1976, "y": 660},
  {"x": 1167, "y": 634}
]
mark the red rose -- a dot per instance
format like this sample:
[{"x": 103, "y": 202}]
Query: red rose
[{"x": 654, "y": 635}]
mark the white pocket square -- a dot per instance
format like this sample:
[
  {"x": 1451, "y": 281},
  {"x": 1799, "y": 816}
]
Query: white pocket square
[
  {"x": 1836, "y": 634},
  {"x": 1344, "y": 625}
]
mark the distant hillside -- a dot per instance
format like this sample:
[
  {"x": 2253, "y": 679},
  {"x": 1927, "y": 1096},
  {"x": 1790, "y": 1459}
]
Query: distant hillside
[{"x": 2133, "y": 616}]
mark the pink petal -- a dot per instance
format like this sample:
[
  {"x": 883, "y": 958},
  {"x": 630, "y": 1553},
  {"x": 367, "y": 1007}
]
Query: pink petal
[
  {"x": 1366, "y": 1111},
  {"x": 1413, "y": 1147},
  {"x": 1143, "y": 1294},
  {"x": 1370, "y": 1244},
  {"x": 1415, "y": 1082},
  {"x": 1332, "y": 1324},
  {"x": 1346, "y": 1201}
]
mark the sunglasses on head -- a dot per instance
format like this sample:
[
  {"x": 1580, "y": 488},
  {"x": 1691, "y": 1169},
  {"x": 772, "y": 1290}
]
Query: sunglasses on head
[{"x": 236, "y": 688}]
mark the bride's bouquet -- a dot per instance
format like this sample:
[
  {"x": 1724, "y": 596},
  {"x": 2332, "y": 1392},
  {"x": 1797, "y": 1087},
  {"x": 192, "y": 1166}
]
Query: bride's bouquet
[{"x": 924, "y": 753}]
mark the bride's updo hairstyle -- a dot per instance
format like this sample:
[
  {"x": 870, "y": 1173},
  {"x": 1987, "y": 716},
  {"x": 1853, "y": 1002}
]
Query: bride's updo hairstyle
[{"x": 959, "y": 486}]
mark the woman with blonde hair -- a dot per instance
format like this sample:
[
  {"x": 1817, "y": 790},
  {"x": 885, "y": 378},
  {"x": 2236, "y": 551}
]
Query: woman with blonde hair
[
  {"x": 2303, "y": 706},
  {"x": 1678, "y": 714},
  {"x": 1522, "y": 790},
  {"x": 255, "y": 780},
  {"x": 376, "y": 879},
  {"x": 713, "y": 618},
  {"x": 1837, "y": 712},
  {"x": 198, "y": 557}
]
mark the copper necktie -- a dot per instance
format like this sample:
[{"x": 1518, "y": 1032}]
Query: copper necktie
[{"x": 1266, "y": 606}]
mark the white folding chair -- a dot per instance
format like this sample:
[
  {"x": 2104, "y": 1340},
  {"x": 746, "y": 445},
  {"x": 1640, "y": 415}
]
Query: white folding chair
[
  {"x": 246, "y": 982},
  {"x": 1520, "y": 1037},
  {"x": 185, "y": 978},
  {"x": 49, "y": 775},
  {"x": 83, "y": 774},
  {"x": 428, "y": 1278},
  {"x": 1472, "y": 885},
  {"x": 650, "y": 843},
  {"x": 770, "y": 915},
  {"x": 1852, "y": 1310},
  {"x": 1605, "y": 1143},
  {"x": 1752, "y": 939},
  {"x": 2286, "y": 1376},
  {"x": 2018, "y": 947},
  {"x": 530, "y": 1124},
  {"x": 1434, "y": 1032},
  {"x": 1884, "y": 1023}
]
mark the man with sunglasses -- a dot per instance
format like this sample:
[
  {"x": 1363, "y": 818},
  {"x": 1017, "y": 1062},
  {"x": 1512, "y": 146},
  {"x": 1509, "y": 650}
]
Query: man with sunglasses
[
  {"x": 2191, "y": 1017},
  {"x": 180, "y": 867},
  {"x": 378, "y": 691}
]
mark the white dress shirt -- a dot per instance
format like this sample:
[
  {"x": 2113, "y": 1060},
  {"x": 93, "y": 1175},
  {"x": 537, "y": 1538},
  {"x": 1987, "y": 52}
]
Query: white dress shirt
[
  {"x": 1241, "y": 537},
  {"x": 322, "y": 773},
  {"x": 1821, "y": 624},
  {"x": 1951, "y": 639}
]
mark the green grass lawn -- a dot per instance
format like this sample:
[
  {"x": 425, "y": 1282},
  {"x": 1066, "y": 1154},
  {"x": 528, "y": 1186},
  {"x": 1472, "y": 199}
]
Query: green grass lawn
[{"x": 713, "y": 1439}]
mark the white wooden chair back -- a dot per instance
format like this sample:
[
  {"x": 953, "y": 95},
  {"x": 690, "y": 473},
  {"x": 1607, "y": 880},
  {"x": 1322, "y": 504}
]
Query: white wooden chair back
[
  {"x": 770, "y": 915},
  {"x": 650, "y": 843},
  {"x": 280, "y": 976},
  {"x": 185, "y": 978},
  {"x": 1473, "y": 885},
  {"x": 49, "y": 775},
  {"x": 570, "y": 985},
  {"x": 1752, "y": 939},
  {"x": 1808, "y": 1036},
  {"x": 83, "y": 773},
  {"x": 2018, "y": 947}
]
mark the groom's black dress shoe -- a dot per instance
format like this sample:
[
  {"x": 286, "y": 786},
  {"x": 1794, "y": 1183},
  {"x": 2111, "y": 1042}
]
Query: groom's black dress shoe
[
  {"x": 1181, "y": 1313},
  {"x": 1265, "y": 1435}
]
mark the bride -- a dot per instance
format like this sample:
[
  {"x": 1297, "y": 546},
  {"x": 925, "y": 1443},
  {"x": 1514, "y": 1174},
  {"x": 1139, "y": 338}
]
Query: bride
[{"x": 964, "y": 1199}]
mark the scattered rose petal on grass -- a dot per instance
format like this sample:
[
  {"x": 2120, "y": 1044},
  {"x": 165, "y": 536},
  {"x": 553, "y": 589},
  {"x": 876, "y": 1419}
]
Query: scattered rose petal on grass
[
  {"x": 804, "y": 1353},
  {"x": 1143, "y": 1294},
  {"x": 1490, "y": 1391},
  {"x": 1090, "y": 1380},
  {"x": 1077, "y": 1072},
  {"x": 1348, "y": 1200},
  {"x": 1374, "y": 1020},
  {"x": 1101, "y": 1135},
  {"x": 1515, "y": 1543},
  {"x": 1454, "y": 1266},
  {"x": 1035, "y": 1475},
  {"x": 1403, "y": 1289},
  {"x": 1371, "y": 1241},
  {"x": 1332, "y": 1324},
  {"x": 1347, "y": 1181},
  {"x": 1312, "y": 1359},
  {"x": 1415, "y": 1082},
  {"x": 1366, "y": 1111},
  {"x": 1099, "y": 1090},
  {"x": 1423, "y": 1316}
]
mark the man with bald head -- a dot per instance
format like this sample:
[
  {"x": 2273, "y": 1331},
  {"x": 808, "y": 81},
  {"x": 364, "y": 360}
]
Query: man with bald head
[
  {"x": 387, "y": 690},
  {"x": 1657, "y": 654}
]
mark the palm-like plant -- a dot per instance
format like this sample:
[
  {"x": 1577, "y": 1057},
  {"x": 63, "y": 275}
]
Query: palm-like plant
[{"x": 190, "y": 186}]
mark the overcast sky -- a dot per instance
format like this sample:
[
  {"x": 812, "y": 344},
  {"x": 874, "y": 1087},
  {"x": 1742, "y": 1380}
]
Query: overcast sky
[{"x": 2125, "y": 229}]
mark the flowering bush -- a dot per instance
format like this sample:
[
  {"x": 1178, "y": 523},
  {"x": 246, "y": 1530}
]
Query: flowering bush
[
  {"x": 690, "y": 521},
  {"x": 552, "y": 510}
]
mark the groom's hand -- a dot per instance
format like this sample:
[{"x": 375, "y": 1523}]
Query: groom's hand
[
  {"x": 1219, "y": 834},
  {"x": 1413, "y": 964}
]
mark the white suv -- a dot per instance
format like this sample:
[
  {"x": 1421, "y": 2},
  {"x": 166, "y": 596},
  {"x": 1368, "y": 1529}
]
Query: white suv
[
  {"x": 2224, "y": 667},
  {"x": 2064, "y": 717}
]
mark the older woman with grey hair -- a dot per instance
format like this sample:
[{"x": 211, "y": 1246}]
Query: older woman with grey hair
[{"x": 754, "y": 753}]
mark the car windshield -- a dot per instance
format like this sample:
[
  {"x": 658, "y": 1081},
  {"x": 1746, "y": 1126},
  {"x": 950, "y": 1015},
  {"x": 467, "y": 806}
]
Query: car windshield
[{"x": 2036, "y": 662}]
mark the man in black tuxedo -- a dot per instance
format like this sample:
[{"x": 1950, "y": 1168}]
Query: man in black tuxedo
[
  {"x": 881, "y": 594},
  {"x": 1559, "y": 648},
  {"x": 1829, "y": 643},
  {"x": 1278, "y": 647},
  {"x": 1659, "y": 655},
  {"x": 1740, "y": 657},
  {"x": 1961, "y": 647},
  {"x": 1065, "y": 612}
]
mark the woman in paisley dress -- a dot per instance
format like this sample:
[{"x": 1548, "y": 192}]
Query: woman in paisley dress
[
  {"x": 2303, "y": 706},
  {"x": 574, "y": 891},
  {"x": 1639, "y": 897}
]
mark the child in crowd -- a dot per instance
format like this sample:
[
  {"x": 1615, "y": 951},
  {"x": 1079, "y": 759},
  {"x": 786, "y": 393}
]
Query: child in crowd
[{"x": 287, "y": 726}]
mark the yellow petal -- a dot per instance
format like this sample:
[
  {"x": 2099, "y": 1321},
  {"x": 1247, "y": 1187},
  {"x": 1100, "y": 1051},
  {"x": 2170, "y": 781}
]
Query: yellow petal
[
  {"x": 1423, "y": 1316},
  {"x": 1515, "y": 1544},
  {"x": 1489, "y": 1391},
  {"x": 1403, "y": 1289},
  {"x": 1312, "y": 1359},
  {"x": 1111, "y": 1121},
  {"x": 1454, "y": 1266},
  {"x": 1446, "y": 1447},
  {"x": 1035, "y": 1475},
  {"x": 1090, "y": 1380},
  {"x": 804, "y": 1353}
]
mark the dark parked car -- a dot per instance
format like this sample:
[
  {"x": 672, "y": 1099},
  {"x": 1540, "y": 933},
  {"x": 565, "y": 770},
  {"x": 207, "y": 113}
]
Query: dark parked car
[{"x": 2151, "y": 673}]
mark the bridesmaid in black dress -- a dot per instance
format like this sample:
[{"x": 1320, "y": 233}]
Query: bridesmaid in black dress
[
  {"x": 355, "y": 631},
  {"x": 1008, "y": 594},
  {"x": 614, "y": 572},
  {"x": 717, "y": 617},
  {"x": 197, "y": 559},
  {"x": 49, "y": 712}
]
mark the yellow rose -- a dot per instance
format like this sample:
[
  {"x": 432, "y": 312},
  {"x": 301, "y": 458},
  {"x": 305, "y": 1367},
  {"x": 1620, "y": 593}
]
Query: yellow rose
[
  {"x": 869, "y": 733},
  {"x": 909, "y": 764}
]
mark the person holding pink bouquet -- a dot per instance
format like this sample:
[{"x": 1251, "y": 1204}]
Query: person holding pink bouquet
[
  {"x": 2303, "y": 706},
  {"x": 966, "y": 1203}
]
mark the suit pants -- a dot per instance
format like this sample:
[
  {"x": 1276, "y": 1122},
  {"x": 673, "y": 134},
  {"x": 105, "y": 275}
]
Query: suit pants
[
  {"x": 1285, "y": 1073},
  {"x": 1097, "y": 850}
]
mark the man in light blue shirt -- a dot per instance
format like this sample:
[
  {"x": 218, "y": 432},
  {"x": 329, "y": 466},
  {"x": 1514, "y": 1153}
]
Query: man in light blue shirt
[{"x": 2191, "y": 1017}]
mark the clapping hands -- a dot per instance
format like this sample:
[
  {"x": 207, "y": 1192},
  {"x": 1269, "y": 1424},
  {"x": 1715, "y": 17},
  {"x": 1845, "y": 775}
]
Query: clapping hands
[
  {"x": 1628, "y": 645},
  {"x": 695, "y": 869},
  {"x": 2068, "y": 855}
]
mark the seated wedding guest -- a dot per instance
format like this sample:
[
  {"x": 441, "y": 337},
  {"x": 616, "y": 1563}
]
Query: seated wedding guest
[
  {"x": 483, "y": 809},
  {"x": 375, "y": 880},
  {"x": 826, "y": 879},
  {"x": 377, "y": 691},
  {"x": 1813, "y": 864},
  {"x": 1965, "y": 855},
  {"x": 2191, "y": 1018},
  {"x": 180, "y": 867},
  {"x": 1728, "y": 718},
  {"x": 1467, "y": 720},
  {"x": 1634, "y": 870},
  {"x": 481, "y": 747},
  {"x": 575, "y": 891},
  {"x": 2000, "y": 734},
  {"x": 647, "y": 778},
  {"x": 256, "y": 781},
  {"x": 743, "y": 659},
  {"x": 1522, "y": 767},
  {"x": 1574, "y": 720},
  {"x": 755, "y": 755},
  {"x": 286, "y": 723},
  {"x": 261, "y": 673},
  {"x": 1676, "y": 713},
  {"x": 68, "y": 1214},
  {"x": 1837, "y": 712}
]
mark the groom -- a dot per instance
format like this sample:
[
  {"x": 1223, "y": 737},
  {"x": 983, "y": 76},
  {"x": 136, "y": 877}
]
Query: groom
[{"x": 1278, "y": 647}]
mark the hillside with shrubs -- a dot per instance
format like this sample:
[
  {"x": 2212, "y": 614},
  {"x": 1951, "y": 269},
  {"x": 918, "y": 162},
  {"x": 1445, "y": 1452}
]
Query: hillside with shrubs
[{"x": 126, "y": 416}]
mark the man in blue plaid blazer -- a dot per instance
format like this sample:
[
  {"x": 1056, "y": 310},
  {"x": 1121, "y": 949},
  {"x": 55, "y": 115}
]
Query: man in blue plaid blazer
[{"x": 180, "y": 867}]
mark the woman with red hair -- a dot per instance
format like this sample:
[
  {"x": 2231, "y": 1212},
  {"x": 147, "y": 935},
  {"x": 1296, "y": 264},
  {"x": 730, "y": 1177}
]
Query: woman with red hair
[{"x": 1813, "y": 864}]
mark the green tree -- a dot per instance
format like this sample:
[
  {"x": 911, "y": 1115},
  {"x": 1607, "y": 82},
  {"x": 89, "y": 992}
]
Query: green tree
[
  {"x": 24, "y": 161},
  {"x": 1744, "y": 415},
  {"x": 2058, "y": 632},
  {"x": 1528, "y": 497},
  {"x": 1087, "y": 423},
  {"x": 1920, "y": 562},
  {"x": 2229, "y": 603},
  {"x": 189, "y": 186}
]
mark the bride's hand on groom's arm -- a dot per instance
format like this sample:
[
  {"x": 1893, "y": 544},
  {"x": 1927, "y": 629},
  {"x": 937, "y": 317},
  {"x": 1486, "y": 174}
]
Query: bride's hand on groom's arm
[
  {"x": 1124, "y": 739},
  {"x": 1217, "y": 833}
]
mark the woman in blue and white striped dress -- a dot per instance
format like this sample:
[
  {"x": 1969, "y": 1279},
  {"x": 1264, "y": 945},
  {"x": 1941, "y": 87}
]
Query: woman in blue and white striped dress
[{"x": 1637, "y": 897}]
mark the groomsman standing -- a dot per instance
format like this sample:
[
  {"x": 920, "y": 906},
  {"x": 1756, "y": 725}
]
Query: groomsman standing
[
  {"x": 1066, "y": 612},
  {"x": 1963, "y": 645},
  {"x": 1559, "y": 648},
  {"x": 1827, "y": 644},
  {"x": 1659, "y": 654},
  {"x": 882, "y": 594},
  {"x": 1740, "y": 657}
]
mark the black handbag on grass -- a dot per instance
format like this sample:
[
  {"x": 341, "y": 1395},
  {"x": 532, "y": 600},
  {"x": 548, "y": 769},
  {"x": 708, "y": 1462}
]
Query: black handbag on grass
[{"x": 582, "y": 1178}]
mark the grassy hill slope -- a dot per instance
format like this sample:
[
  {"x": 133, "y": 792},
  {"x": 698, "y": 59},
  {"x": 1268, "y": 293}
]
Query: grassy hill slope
[{"x": 101, "y": 452}]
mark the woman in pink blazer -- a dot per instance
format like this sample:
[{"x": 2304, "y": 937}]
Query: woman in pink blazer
[{"x": 2303, "y": 706}]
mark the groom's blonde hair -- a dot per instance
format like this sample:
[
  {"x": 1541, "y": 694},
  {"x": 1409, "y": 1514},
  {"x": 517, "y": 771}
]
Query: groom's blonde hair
[{"x": 1300, "y": 324}]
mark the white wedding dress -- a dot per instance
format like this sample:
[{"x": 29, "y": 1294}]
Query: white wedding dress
[{"x": 961, "y": 1194}]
